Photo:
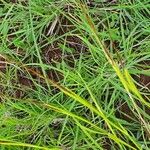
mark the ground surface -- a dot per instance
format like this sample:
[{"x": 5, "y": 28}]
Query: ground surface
[{"x": 74, "y": 75}]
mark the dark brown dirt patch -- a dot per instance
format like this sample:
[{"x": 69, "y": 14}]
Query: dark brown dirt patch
[
  {"x": 144, "y": 79},
  {"x": 23, "y": 2},
  {"x": 2, "y": 64},
  {"x": 107, "y": 144},
  {"x": 54, "y": 75},
  {"x": 51, "y": 54},
  {"x": 125, "y": 113}
]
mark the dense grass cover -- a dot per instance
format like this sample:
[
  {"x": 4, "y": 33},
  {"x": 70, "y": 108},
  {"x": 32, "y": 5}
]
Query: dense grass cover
[{"x": 74, "y": 75}]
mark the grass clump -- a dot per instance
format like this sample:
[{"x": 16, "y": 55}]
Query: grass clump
[{"x": 74, "y": 75}]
